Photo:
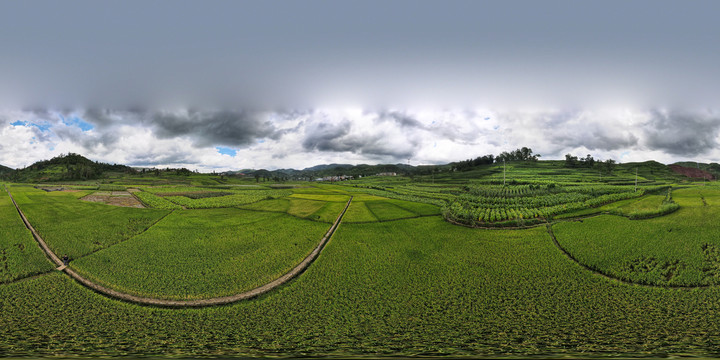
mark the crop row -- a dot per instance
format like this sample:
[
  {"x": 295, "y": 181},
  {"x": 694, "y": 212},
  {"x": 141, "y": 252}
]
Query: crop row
[
  {"x": 240, "y": 198},
  {"x": 154, "y": 201},
  {"x": 394, "y": 195},
  {"x": 466, "y": 212}
]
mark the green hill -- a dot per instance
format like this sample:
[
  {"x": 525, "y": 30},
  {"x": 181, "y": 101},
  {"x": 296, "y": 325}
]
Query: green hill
[{"x": 64, "y": 168}]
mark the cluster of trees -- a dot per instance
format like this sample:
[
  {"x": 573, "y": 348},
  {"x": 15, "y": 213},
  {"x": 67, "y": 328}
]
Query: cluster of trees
[
  {"x": 589, "y": 162},
  {"x": 521, "y": 154},
  {"x": 64, "y": 167},
  {"x": 469, "y": 163}
]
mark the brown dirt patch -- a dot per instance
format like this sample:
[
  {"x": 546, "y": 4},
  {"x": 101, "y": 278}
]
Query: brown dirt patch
[
  {"x": 115, "y": 198},
  {"x": 692, "y": 172}
]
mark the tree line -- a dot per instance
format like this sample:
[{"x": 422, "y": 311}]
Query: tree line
[
  {"x": 521, "y": 154},
  {"x": 589, "y": 162}
]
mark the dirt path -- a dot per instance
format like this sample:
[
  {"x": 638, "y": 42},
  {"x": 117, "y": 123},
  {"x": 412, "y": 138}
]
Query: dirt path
[{"x": 297, "y": 270}]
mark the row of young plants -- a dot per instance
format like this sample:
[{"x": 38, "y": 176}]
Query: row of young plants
[
  {"x": 469, "y": 212},
  {"x": 407, "y": 196},
  {"x": 239, "y": 198},
  {"x": 154, "y": 201},
  {"x": 668, "y": 206}
]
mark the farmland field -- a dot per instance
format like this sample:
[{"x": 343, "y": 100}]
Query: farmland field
[
  {"x": 85, "y": 227},
  {"x": 396, "y": 279},
  {"x": 436, "y": 289},
  {"x": 204, "y": 254},
  {"x": 679, "y": 249},
  {"x": 19, "y": 255}
]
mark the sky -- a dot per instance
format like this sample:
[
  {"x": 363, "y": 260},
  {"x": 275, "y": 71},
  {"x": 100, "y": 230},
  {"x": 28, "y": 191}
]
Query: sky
[{"x": 229, "y": 85}]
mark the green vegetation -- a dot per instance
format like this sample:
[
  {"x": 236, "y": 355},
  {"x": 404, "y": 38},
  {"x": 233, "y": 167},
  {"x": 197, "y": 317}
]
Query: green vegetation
[
  {"x": 64, "y": 168},
  {"x": 649, "y": 207},
  {"x": 680, "y": 249},
  {"x": 85, "y": 227},
  {"x": 19, "y": 254},
  {"x": 409, "y": 287},
  {"x": 486, "y": 206},
  {"x": 304, "y": 208},
  {"x": 153, "y": 201},
  {"x": 204, "y": 253},
  {"x": 396, "y": 279},
  {"x": 205, "y": 198}
]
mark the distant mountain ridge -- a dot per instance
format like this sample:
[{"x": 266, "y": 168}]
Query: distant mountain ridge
[{"x": 77, "y": 167}]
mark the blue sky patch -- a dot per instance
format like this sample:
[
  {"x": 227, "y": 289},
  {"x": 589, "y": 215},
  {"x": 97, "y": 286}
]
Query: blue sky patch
[
  {"x": 76, "y": 121},
  {"x": 226, "y": 150},
  {"x": 44, "y": 126}
]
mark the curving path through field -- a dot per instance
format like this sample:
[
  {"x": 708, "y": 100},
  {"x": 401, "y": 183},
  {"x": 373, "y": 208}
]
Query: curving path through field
[
  {"x": 294, "y": 272},
  {"x": 611, "y": 277}
]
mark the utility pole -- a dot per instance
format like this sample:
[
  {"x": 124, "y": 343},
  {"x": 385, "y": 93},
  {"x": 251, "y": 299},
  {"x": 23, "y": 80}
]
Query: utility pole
[
  {"x": 636, "y": 172},
  {"x": 503, "y": 172}
]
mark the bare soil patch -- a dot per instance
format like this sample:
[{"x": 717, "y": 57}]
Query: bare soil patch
[
  {"x": 692, "y": 172},
  {"x": 116, "y": 198}
]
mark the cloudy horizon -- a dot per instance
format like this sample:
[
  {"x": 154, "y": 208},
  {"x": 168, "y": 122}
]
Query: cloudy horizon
[{"x": 227, "y": 85}]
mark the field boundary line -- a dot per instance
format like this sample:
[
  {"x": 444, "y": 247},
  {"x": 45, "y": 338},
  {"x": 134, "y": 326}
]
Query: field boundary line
[
  {"x": 130, "y": 238},
  {"x": 615, "y": 278},
  {"x": 28, "y": 277},
  {"x": 250, "y": 294}
]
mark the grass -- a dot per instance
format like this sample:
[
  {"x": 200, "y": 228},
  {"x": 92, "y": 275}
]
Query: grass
[
  {"x": 204, "y": 253},
  {"x": 20, "y": 256}
]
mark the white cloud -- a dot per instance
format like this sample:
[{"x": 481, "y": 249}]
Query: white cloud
[{"x": 298, "y": 139}]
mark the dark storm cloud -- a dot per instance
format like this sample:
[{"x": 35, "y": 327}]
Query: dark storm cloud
[
  {"x": 404, "y": 120},
  {"x": 229, "y": 128},
  {"x": 337, "y": 136},
  {"x": 168, "y": 158},
  {"x": 89, "y": 142},
  {"x": 327, "y": 136},
  {"x": 682, "y": 132}
]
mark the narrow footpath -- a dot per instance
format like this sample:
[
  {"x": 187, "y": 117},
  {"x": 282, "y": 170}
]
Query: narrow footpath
[{"x": 294, "y": 272}]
